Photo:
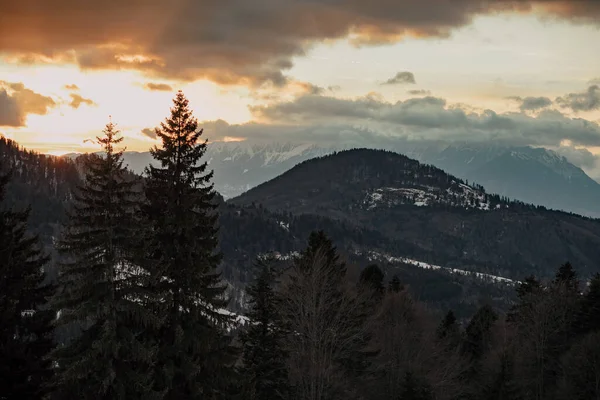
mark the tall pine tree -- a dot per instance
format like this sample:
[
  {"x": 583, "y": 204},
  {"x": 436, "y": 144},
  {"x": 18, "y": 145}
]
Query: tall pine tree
[
  {"x": 264, "y": 357},
  {"x": 25, "y": 319},
  {"x": 101, "y": 290},
  {"x": 181, "y": 239}
]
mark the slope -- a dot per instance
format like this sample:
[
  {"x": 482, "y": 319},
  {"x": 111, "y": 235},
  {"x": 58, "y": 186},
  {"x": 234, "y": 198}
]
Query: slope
[{"x": 429, "y": 215}]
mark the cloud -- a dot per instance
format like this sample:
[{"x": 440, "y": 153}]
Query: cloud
[
  {"x": 430, "y": 118},
  {"x": 77, "y": 101},
  {"x": 532, "y": 103},
  {"x": 419, "y": 92},
  {"x": 317, "y": 107},
  {"x": 586, "y": 101},
  {"x": 17, "y": 101},
  {"x": 578, "y": 156},
  {"x": 163, "y": 87},
  {"x": 235, "y": 41},
  {"x": 149, "y": 132},
  {"x": 71, "y": 87},
  {"x": 595, "y": 81},
  {"x": 401, "y": 78},
  {"x": 310, "y": 88}
]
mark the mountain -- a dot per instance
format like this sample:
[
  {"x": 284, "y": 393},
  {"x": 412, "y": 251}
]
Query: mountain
[
  {"x": 533, "y": 175},
  {"x": 427, "y": 215},
  {"x": 44, "y": 182}
]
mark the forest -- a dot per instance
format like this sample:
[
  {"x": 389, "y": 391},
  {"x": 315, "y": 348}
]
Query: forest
[{"x": 138, "y": 306}]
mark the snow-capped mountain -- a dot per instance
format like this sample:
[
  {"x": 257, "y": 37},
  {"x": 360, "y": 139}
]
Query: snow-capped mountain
[{"x": 532, "y": 175}]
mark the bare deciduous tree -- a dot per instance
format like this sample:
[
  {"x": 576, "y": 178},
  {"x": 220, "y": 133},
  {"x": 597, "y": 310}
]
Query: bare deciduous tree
[{"x": 325, "y": 320}]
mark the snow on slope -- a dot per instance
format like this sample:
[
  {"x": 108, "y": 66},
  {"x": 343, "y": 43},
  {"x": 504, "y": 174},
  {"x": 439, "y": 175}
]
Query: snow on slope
[
  {"x": 465, "y": 196},
  {"x": 374, "y": 256}
]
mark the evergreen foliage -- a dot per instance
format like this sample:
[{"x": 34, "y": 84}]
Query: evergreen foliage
[
  {"x": 181, "y": 241},
  {"x": 101, "y": 292},
  {"x": 264, "y": 369},
  {"x": 25, "y": 319},
  {"x": 372, "y": 278}
]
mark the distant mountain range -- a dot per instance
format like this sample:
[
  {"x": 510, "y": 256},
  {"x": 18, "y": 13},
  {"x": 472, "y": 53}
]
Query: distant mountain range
[{"x": 532, "y": 175}]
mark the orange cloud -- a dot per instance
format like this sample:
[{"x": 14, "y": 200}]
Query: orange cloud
[
  {"x": 77, "y": 101},
  {"x": 235, "y": 41},
  {"x": 162, "y": 87},
  {"x": 17, "y": 101}
]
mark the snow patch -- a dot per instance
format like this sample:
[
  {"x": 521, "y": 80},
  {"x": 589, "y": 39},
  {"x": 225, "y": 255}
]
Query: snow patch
[{"x": 374, "y": 256}]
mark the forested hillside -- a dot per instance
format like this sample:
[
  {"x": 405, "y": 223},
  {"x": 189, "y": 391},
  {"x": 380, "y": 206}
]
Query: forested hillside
[{"x": 431, "y": 216}]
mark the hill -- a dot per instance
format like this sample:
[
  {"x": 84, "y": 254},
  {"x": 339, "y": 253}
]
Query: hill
[{"x": 428, "y": 215}]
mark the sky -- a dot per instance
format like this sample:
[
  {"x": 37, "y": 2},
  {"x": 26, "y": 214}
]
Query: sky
[{"x": 514, "y": 72}]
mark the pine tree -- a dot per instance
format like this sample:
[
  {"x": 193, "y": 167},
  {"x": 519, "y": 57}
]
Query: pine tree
[
  {"x": 588, "y": 317},
  {"x": 25, "y": 319},
  {"x": 567, "y": 276},
  {"x": 478, "y": 332},
  {"x": 101, "y": 291},
  {"x": 264, "y": 368},
  {"x": 414, "y": 389},
  {"x": 181, "y": 239},
  {"x": 395, "y": 285},
  {"x": 448, "y": 330},
  {"x": 372, "y": 278}
]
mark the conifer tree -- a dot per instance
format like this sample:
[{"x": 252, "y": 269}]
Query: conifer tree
[
  {"x": 478, "y": 332},
  {"x": 448, "y": 330},
  {"x": 395, "y": 285},
  {"x": 588, "y": 317},
  {"x": 181, "y": 216},
  {"x": 264, "y": 368},
  {"x": 25, "y": 319},
  {"x": 414, "y": 389},
  {"x": 372, "y": 277},
  {"x": 101, "y": 291},
  {"x": 567, "y": 276}
]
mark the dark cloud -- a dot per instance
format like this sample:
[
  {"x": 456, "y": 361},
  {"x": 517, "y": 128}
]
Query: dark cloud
[
  {"x": 586, "y": 101},
  {"x": 77, "y": 101},
  {"x": 233, "y": 41},
  {"x": 161, "y": 87},
  {"x": 401, "y": 78},
  {"x": 578, "y": 156},
  {"x": 149, "y": 132},
  {"x": 17, "y": 101},
  {"x": 595, "y": 81},
  {"x": 532, "y": 103},
  {"x": 419, "y": 92},
  {"x": 316, "y": 107},
  {"x": 431, "y": 118},
  {"x": 312, "y": 89},
  {"x": 10, "y": 112},
  {"x": 72, "y": 87}
]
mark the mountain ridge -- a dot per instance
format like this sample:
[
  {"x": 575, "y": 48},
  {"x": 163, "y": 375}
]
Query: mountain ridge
[{"x": 543, "y": 177}]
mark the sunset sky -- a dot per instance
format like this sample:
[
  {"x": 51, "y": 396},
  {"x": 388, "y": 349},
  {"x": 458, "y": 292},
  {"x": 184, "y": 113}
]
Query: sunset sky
[{"x": 519, "y": 72}]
